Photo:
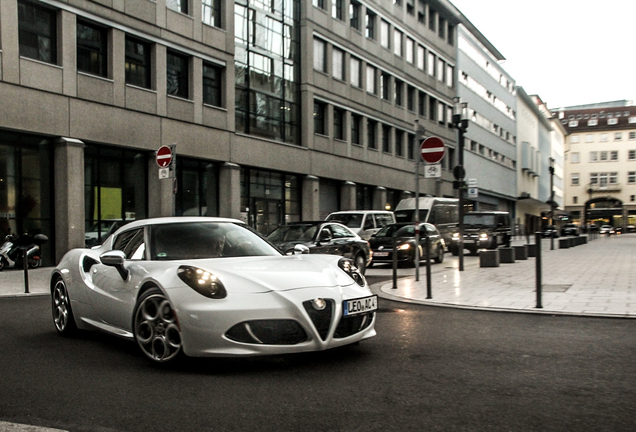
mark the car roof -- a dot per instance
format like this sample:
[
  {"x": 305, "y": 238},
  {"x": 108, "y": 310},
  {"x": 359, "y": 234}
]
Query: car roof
[
  {"x": 359, "y": 211},
  {"x": 175, "y": 220}
]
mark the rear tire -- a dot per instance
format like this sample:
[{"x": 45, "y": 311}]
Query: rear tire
[
  {"x": 2, "y": 264},
  {"x": 360, "y": 262},
  {"x": 62, "y": 312},
  {"x": 439, "y": 258}
]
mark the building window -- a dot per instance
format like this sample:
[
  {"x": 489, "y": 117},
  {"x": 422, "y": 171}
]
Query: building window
[
  {"x": 593, "y": 178},
  {"x": 593, "y": 122},
  {"x": 319, "y": 4},
  {"x": 430, "y": 64},
  {"x": 631, "y": 155},
  {"x": 603, "y": 156},
  {"x": 319, "y": 118},
  {"x": 338, "y": 63},
  {"x": 372, "y": 127},
  {"x": 432, "y": 19},
  {"x": 574, "y": 179},
  {"x": 371, "y": 81},
  {"x": 441, "y": 28},
  {"x": 399, "y": 143},
  {"x": 632, "y": 135},
  {"x": 421, "y": 104},
  {"x": 399, "y": 89},
  {"x": 421, "y": 59},
  {"x": 410, "y": 146},
  {"x": 177, "y": 72},
  {"x": 336, "y": 9},
  {"x": 370, "y": 24},
  {"x": 441, "y": 68},
  {"x": 397, "y": 43},
  {"x": 450, "y": 75},
  {"x": 574, "y": 139},
  {"x": 339, "y": 123},
  {"x": 613, "y": 178},
  {"x": 212, "y": 84},
  {"x": 384, "y": 34},
  {"x": 631, "y": 177},
  {"x": 612, "y": 121},
  {"x": 354, "y": 14},
  {"x": 618, "y": 136},
  {"x": 410, "y": 98},
  {"x": 574, "y": 158},
  {"x": 356, "y": 124},
  {"x": 137, "y": 63},
  {"x": 593, "y": 156},
  {"x": 319, "y": 55},
  {"x": 37, "y": 29},
  {"x": 432, "y": 108},
  {"x": 575, "y": 200},
  {"x": 603, "y": 137},
  {"x": 410, "y": 50},
  {"x": 211, "y": 12},
  {"x": 385, "y": 80},
  {"x": 386, "y": 139},
  {"x": 355, "y": 72},
  {"x": 91, "y": 49},
  {"x": 589, "y": 138},
  {"x": 614, "y": 155},
  {"x": 178, "y": 5}
]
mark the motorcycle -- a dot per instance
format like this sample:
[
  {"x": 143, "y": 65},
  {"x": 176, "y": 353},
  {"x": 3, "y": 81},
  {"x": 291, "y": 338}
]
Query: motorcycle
[{"x": 11, "y": 252}]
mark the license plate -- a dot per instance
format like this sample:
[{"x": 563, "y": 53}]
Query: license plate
[
  {"x": 380, "y": 254},
  {"x": 361, "y": 305}
]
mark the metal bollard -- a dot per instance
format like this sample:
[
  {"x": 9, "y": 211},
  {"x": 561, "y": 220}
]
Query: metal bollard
[
  {"x": 539, "y": 282},
  {"x": 429, "y": 293},
  {"x": 394, "y": 261},
  {"x": 25, "y": 261}
]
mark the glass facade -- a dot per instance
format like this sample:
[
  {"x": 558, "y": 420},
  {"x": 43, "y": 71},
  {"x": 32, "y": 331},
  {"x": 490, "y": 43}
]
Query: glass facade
[
  {"x": 267, "y": 68},
  {"x": 198, "y": 188},
  {"x": 26, "y": 188},
  {"x": 115, "y": 190}
]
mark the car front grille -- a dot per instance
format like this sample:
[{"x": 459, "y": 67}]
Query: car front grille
[
  {"x": 320, "y": 318},
  {"x": 353, "y": 324},
  {"x": 268, "y": 332}
]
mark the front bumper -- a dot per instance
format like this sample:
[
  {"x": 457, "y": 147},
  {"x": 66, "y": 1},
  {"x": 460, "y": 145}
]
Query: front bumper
[{"x": 217, "y": 327}]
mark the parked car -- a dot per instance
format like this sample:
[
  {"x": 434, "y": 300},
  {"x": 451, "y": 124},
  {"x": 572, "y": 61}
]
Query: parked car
[
  {"x": 365, "y": 223},
  {"x": 483, "y": 229},
  {"x": 404, "y": 233},
  {"x": 550, "y": 231},
  {"x": 607, "y": 229},
  {"x": 570, "y": 229},
  {"x": 322, "y": 237},
  {"x": 210, "y": 287}
]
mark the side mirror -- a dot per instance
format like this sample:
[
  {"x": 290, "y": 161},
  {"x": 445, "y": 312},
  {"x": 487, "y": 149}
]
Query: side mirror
[
  {"x": 300, "y": 249},
  {"x": 115, "y": 258}
]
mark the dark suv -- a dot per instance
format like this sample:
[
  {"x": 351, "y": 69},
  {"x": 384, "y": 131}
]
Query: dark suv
[
  {"x": 484, "y": 230},
  {"x": 570, "y": 229}
]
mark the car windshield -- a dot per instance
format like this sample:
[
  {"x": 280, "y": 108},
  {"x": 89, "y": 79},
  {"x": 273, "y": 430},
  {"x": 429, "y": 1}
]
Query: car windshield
[
  {"x": 352, "y": 220},
  {"x": 409, "y": 215},
  {"x": 293, "y": 233},
  {"x": 397, "y": 231},
  {"x": 483, "y": 220},
  {"x": 197, "y": 240}
]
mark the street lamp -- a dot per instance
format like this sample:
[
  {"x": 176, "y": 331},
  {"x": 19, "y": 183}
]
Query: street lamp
[
  {"x": 552, "y": 201},
  {"x": 460, "y": 121}
]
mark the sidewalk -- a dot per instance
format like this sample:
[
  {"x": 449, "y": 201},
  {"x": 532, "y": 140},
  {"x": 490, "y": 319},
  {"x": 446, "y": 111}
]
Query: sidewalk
[
  {"x": 593, "y": 279},
  {"x": 12, "y": 282}
]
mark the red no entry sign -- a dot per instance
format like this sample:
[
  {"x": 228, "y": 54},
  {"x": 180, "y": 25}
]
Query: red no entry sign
[
  {"x": 432, "y": 149},
  {"x": 164, "y": 156}
]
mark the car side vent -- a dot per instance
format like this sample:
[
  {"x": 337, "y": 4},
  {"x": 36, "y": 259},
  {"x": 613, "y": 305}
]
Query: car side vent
[
  {"x": 320, "y": 317},
  {"x": 88, "y": 262}
]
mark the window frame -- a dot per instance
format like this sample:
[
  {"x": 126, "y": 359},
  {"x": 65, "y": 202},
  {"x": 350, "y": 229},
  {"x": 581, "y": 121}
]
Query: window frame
[
  {"x": 28, "y": 30},
  {"x": 182, "y": 76},
  {"x": 132, "y": 59},
  {"x": 88, "y": 50},
  {"x": 212, "y": 83}
]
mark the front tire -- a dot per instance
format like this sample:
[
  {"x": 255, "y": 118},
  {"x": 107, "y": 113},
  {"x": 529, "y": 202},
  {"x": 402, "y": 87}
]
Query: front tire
[
  {"x": 155, "y": 327},
  {"x": 360, "y": 262},
  {"x": 440, "y": 255},
  {"x": 62, "y": 312}
]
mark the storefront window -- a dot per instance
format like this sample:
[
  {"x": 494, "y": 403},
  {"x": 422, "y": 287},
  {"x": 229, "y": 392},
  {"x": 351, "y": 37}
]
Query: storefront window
[
  {"x": 197, "y": 188},
  {"x": 115, "y": 190},
  {"x": 26, "y": 188}
]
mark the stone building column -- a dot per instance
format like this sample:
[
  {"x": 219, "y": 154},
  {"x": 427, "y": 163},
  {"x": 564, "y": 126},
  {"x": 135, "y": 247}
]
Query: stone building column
[
  {"x": 68, "y": 186},
  {"x": 230, "y": 191},
  {"x": 310, "y": 198},
  {"x": 348, "y": 196},
  {"x": 379, "y": 198}
]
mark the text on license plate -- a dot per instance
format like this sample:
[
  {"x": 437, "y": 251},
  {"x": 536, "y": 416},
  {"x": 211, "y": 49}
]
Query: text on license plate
[
  {"x": 380, "y": 254},
  {"x": 361, "y": 305}
]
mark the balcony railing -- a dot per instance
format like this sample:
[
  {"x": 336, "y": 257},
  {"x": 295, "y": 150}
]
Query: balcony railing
[{"x": 610, "y": 187}]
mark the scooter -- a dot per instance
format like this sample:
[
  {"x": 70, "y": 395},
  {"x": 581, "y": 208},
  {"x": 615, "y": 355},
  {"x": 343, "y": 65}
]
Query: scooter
[{"x": 11, "y": 254}]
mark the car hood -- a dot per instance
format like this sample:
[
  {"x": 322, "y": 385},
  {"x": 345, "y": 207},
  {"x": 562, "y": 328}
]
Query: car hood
[
  {"x": 272, "y": 273},
  {"x": 376, "y": 242}
]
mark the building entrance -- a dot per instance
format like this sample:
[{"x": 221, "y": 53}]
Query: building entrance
[
  {"x": 604, "y": 211},
  {"x": 268, "y": 215}
]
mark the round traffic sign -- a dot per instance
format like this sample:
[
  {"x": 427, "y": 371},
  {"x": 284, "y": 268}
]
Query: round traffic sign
[
  {"x": 164, "y": 156},
  {"x": 433, "y": 149}
]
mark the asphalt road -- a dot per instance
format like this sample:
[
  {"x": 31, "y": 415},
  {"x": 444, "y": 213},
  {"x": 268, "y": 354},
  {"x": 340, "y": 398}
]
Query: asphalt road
[{"x": 429, "y": 369}]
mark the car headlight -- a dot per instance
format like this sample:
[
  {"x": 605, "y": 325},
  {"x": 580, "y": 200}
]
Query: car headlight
[
  {"x": 455, "y": 236},
  {"x": 350, "y": 268},
  {"x": 202, "y": 281},
  {"x": 405, "y": 246},
  {"x": 483, "y": 236}
]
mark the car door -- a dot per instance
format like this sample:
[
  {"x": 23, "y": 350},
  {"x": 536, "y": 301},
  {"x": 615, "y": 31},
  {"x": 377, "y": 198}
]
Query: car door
[
  {"x": 344, "y": 241},
  {"x": 324, "y": 241},
  {"x": 112, "y": 297}
]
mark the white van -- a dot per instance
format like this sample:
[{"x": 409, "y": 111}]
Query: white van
[
  {"x": 441, "y": 212},
  {"x": 365, "y": 223}
]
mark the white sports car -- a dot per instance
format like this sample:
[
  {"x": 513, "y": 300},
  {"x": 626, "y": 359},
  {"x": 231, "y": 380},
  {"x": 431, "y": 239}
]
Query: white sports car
[{"x": 210, "y": 287}]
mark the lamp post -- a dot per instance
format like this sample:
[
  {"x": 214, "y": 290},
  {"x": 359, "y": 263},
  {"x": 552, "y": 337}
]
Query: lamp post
[
  {"x": 552, "y": 201},
  {"x": 460, "y": 121}
]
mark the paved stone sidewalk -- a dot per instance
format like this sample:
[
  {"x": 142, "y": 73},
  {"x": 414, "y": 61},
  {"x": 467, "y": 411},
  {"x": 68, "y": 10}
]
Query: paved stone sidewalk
[{"x": 597, "y": 278}]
